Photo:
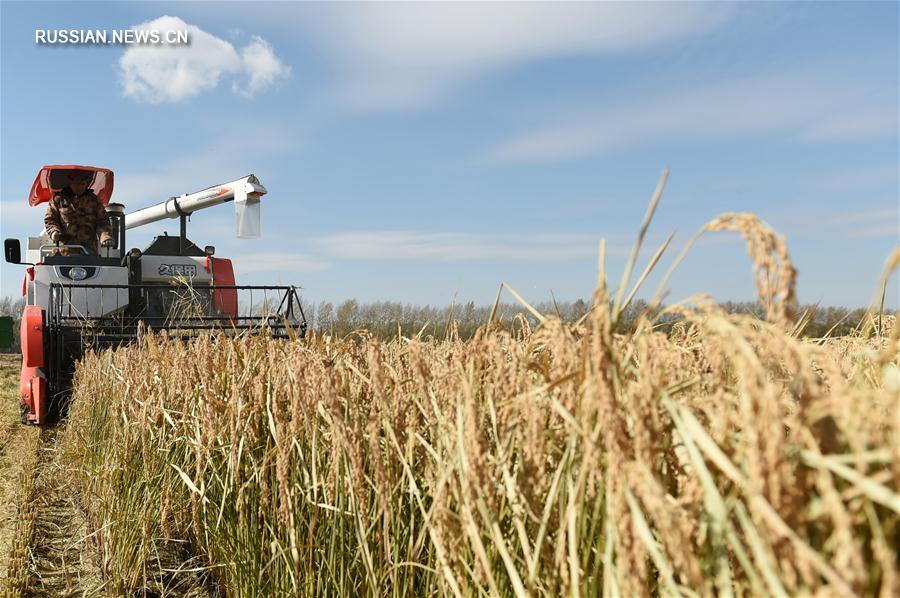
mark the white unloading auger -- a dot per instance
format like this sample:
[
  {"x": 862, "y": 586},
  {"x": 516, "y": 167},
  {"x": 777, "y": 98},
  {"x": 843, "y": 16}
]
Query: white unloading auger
[{"x": 246, "y": 193}]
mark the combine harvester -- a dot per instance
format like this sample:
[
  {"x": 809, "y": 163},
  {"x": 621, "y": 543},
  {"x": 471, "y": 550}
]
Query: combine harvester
[{"x": 80, "y": 301}]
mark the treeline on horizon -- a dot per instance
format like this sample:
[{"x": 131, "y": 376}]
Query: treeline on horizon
[{"x": 387, "y": 319}]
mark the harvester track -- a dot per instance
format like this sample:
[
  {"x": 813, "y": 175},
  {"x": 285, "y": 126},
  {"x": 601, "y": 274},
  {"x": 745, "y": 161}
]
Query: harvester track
[
  {"x": 18, "y": 463},
  {"x": 47, "y": 547},
  {"x": 63, "y": 559}
]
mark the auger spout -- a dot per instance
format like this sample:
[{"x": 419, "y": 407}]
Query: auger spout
[{"x": 245, "y": 192}]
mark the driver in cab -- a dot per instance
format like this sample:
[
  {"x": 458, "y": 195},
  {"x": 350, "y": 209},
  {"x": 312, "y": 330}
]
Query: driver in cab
[{"x": 76, "y": 216}]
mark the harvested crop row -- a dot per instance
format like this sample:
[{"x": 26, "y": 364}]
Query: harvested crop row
[
  {"x": 729, "y": 457},
  {"x": 61, "y": 552},
  {"x": 20, "y": 491},
  {"x": 19, "y": 452}
]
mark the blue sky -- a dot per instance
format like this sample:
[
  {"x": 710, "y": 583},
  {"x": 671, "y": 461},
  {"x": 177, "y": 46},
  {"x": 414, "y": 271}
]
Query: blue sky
[{"x": 426, "y": 152}]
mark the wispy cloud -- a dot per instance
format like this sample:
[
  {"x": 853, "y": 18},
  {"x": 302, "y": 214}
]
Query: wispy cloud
[
  {"x": 225, "y": 157},
  {"x": 172, "y": 73},
  {"x": 799, "y": 105},
  {"x": 281, "y": 262},
  {"x": 876, "y": 222},
  {"x": 17, "y": 217},
  {"x": 860, "y": 176},
  {"x": 457, "y": 246},
  {"x": 398, "y": 56},
  {"x": 877, "y": 231},
  {"x": 856, "y": 125},
  {"x": 865, "y": 214},
  {"x": 863, "y": 220}
]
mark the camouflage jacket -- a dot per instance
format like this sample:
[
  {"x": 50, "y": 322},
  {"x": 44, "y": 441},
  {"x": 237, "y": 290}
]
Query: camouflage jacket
[{"x": 78, "y": 220}]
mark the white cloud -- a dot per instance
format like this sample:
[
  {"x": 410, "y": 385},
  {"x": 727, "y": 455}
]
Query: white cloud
[
  {"x": 406, "y": 54},
  {"x": 454, "y": 246},
  {"x": 789, "y": 104},
  {"x": 172, "y": 73},
  {"x": 261, "y": 65}
]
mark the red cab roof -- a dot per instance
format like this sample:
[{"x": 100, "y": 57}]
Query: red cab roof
[{"x": 55, "y": 177}]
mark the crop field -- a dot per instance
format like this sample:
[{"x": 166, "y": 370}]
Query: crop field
[{"x": 730, "y": 456}]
